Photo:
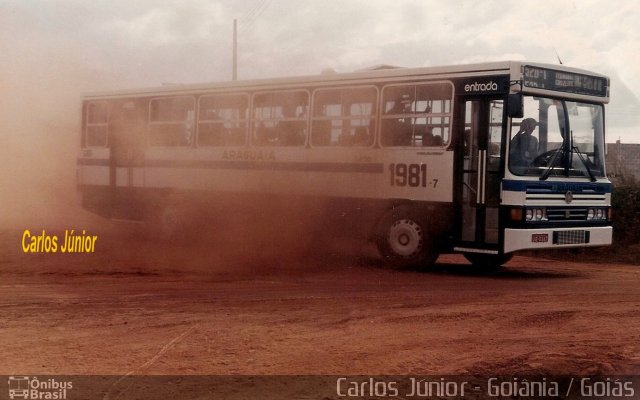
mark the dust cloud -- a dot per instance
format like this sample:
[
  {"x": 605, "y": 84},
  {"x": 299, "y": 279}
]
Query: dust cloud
[
  {"x": 39, "y": 146},
  {"x": 41, "y": 113}
]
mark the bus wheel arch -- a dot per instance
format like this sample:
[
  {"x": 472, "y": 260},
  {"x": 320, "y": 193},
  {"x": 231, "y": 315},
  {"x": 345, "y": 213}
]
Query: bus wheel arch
[{"x": 405, "y": 238}]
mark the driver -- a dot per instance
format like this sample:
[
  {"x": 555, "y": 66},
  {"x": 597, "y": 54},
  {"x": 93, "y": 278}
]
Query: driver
[{"x": 524, "y": 146}]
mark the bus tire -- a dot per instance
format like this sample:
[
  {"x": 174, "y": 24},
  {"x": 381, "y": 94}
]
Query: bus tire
[
  {"x": 404, "y": 240},
  {"x": 488, "y": 261},
  {"x": 166, "y": 220}
]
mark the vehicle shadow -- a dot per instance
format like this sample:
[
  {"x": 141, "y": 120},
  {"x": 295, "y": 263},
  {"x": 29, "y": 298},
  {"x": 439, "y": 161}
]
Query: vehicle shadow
[
  {"x": 323, "y": 254},
  {"x": 520, "y": 272}
]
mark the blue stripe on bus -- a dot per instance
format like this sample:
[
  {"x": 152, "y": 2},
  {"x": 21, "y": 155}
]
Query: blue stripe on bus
[
  {"x": 370, "y": 168},
  {"x": 541, "y": 187}
]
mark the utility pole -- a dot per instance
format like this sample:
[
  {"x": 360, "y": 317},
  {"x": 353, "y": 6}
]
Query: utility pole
[{"x": 235, "y": 50}]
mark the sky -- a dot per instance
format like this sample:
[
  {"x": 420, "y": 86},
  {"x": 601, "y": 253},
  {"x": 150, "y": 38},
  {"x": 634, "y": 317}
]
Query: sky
[{"x": 54, "y": 51}]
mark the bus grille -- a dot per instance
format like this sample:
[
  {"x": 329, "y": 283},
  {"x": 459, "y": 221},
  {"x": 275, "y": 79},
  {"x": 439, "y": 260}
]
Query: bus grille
[
  {"x": 571, "y": 237},
  {"x": 561, "y": 196},
  {"x": 567, "y": 214}
]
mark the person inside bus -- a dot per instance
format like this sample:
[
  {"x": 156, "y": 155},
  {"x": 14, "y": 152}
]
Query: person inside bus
[
  {"x": 524, "y": 146},
  {"x": 399, "y": 131},
  {"x": 429, "y": 139},
  {"x": 361, "y": 137}
]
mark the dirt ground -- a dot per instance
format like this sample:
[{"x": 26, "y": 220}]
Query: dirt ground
[{"x": 138, "y": 307}]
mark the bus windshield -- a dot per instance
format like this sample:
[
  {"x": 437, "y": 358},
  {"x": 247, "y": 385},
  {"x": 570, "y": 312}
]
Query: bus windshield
[{"x": 557, "y": 138}]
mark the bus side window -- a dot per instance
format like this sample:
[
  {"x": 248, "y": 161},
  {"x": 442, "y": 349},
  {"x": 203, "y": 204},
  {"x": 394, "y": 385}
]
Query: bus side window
[
  {"x": 171, "y": 121},
  {"x": 344, "y": 117},
  {"x": 222, "y": 120},
  {"x": 96, "y": 124},
  {"x": 321, "y": 132},
  {"x": 416, "y": 115},
  {"x": 280, "y": 118}
]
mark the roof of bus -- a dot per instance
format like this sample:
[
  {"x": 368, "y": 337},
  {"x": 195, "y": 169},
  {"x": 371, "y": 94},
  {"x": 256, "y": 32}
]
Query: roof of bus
[{"x": 371, "y": 74}]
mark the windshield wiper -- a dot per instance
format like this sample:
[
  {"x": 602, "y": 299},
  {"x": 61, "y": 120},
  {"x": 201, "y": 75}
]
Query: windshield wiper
[
  {"x": 584, "y": 162},
  {"x": 567, "y": 163},
  {"x": 560, "y": 150},
  {"x": 552, "y": 162},
  {"x": 565, "y": 150}
]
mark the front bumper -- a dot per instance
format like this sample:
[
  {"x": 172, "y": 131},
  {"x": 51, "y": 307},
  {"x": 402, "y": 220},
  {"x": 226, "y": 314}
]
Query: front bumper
[{"x": 552, "y": 238}]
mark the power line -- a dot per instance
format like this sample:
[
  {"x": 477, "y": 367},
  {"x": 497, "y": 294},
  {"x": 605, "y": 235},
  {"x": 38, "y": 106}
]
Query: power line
[
  {"x": 264, "y": 4},
  {"x": 253, "y": 10},
  {"x": 251, "y": 17}
]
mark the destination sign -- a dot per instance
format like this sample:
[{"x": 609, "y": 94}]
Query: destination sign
[{"x": 563, "y": 81}]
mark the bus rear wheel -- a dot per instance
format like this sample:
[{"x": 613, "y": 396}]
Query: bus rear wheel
[
  {"x": 404, "y": 240},
  {"x": 166, "y": 220},
  {"x": 488, "y": 261}
]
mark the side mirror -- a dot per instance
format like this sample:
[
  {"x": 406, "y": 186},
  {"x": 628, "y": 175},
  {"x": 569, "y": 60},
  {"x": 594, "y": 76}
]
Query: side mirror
[{"x": 515, "y": 106}]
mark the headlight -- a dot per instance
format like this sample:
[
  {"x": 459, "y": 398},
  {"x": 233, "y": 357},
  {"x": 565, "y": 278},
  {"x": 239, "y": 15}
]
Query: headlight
[
  {"x": 597, "y": 214},
  {"x": 536, "y": 214}
]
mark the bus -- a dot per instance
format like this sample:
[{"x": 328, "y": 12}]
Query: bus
[{"x": 483, "y": 160}]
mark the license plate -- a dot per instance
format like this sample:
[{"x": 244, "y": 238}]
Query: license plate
[{"x": 540, "y": 238}]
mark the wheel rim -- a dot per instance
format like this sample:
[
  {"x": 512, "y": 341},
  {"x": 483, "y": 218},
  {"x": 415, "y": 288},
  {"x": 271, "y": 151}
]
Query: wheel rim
[{"x": 405, "y": 238}]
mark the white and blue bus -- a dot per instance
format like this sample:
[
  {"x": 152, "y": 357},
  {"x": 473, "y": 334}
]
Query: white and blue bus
[{"x": 483, "y": 160}]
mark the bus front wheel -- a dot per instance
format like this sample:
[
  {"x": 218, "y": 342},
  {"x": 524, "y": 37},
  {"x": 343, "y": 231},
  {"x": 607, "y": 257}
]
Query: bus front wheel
[{"x": 404, "y": 239}]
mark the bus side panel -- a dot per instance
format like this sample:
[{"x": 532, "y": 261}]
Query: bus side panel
[
  {"x": 356, "y": 186},
  {"x": 368, "y": 173},
  {"x": 420, "y": 175}
]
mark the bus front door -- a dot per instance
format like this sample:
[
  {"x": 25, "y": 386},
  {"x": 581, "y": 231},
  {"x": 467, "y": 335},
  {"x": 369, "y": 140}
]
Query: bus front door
[{"x": 479, "y": 193}]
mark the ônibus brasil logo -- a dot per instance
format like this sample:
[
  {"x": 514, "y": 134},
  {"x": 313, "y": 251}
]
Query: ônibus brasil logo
[{"x": 24, "y": 387}]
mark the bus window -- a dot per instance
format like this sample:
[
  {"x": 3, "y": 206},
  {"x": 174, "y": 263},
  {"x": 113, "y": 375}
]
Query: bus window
[
  {"x": 222, "y": 120},
  {"x": 344, "y": 117},
  {"x": 564, "y": 138},
  {"x": 416, "y": 115},
  {"x": 171, "y": 121},
  {"x": 96, "y": 124},
  {"x": 280, "y": 118}
]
